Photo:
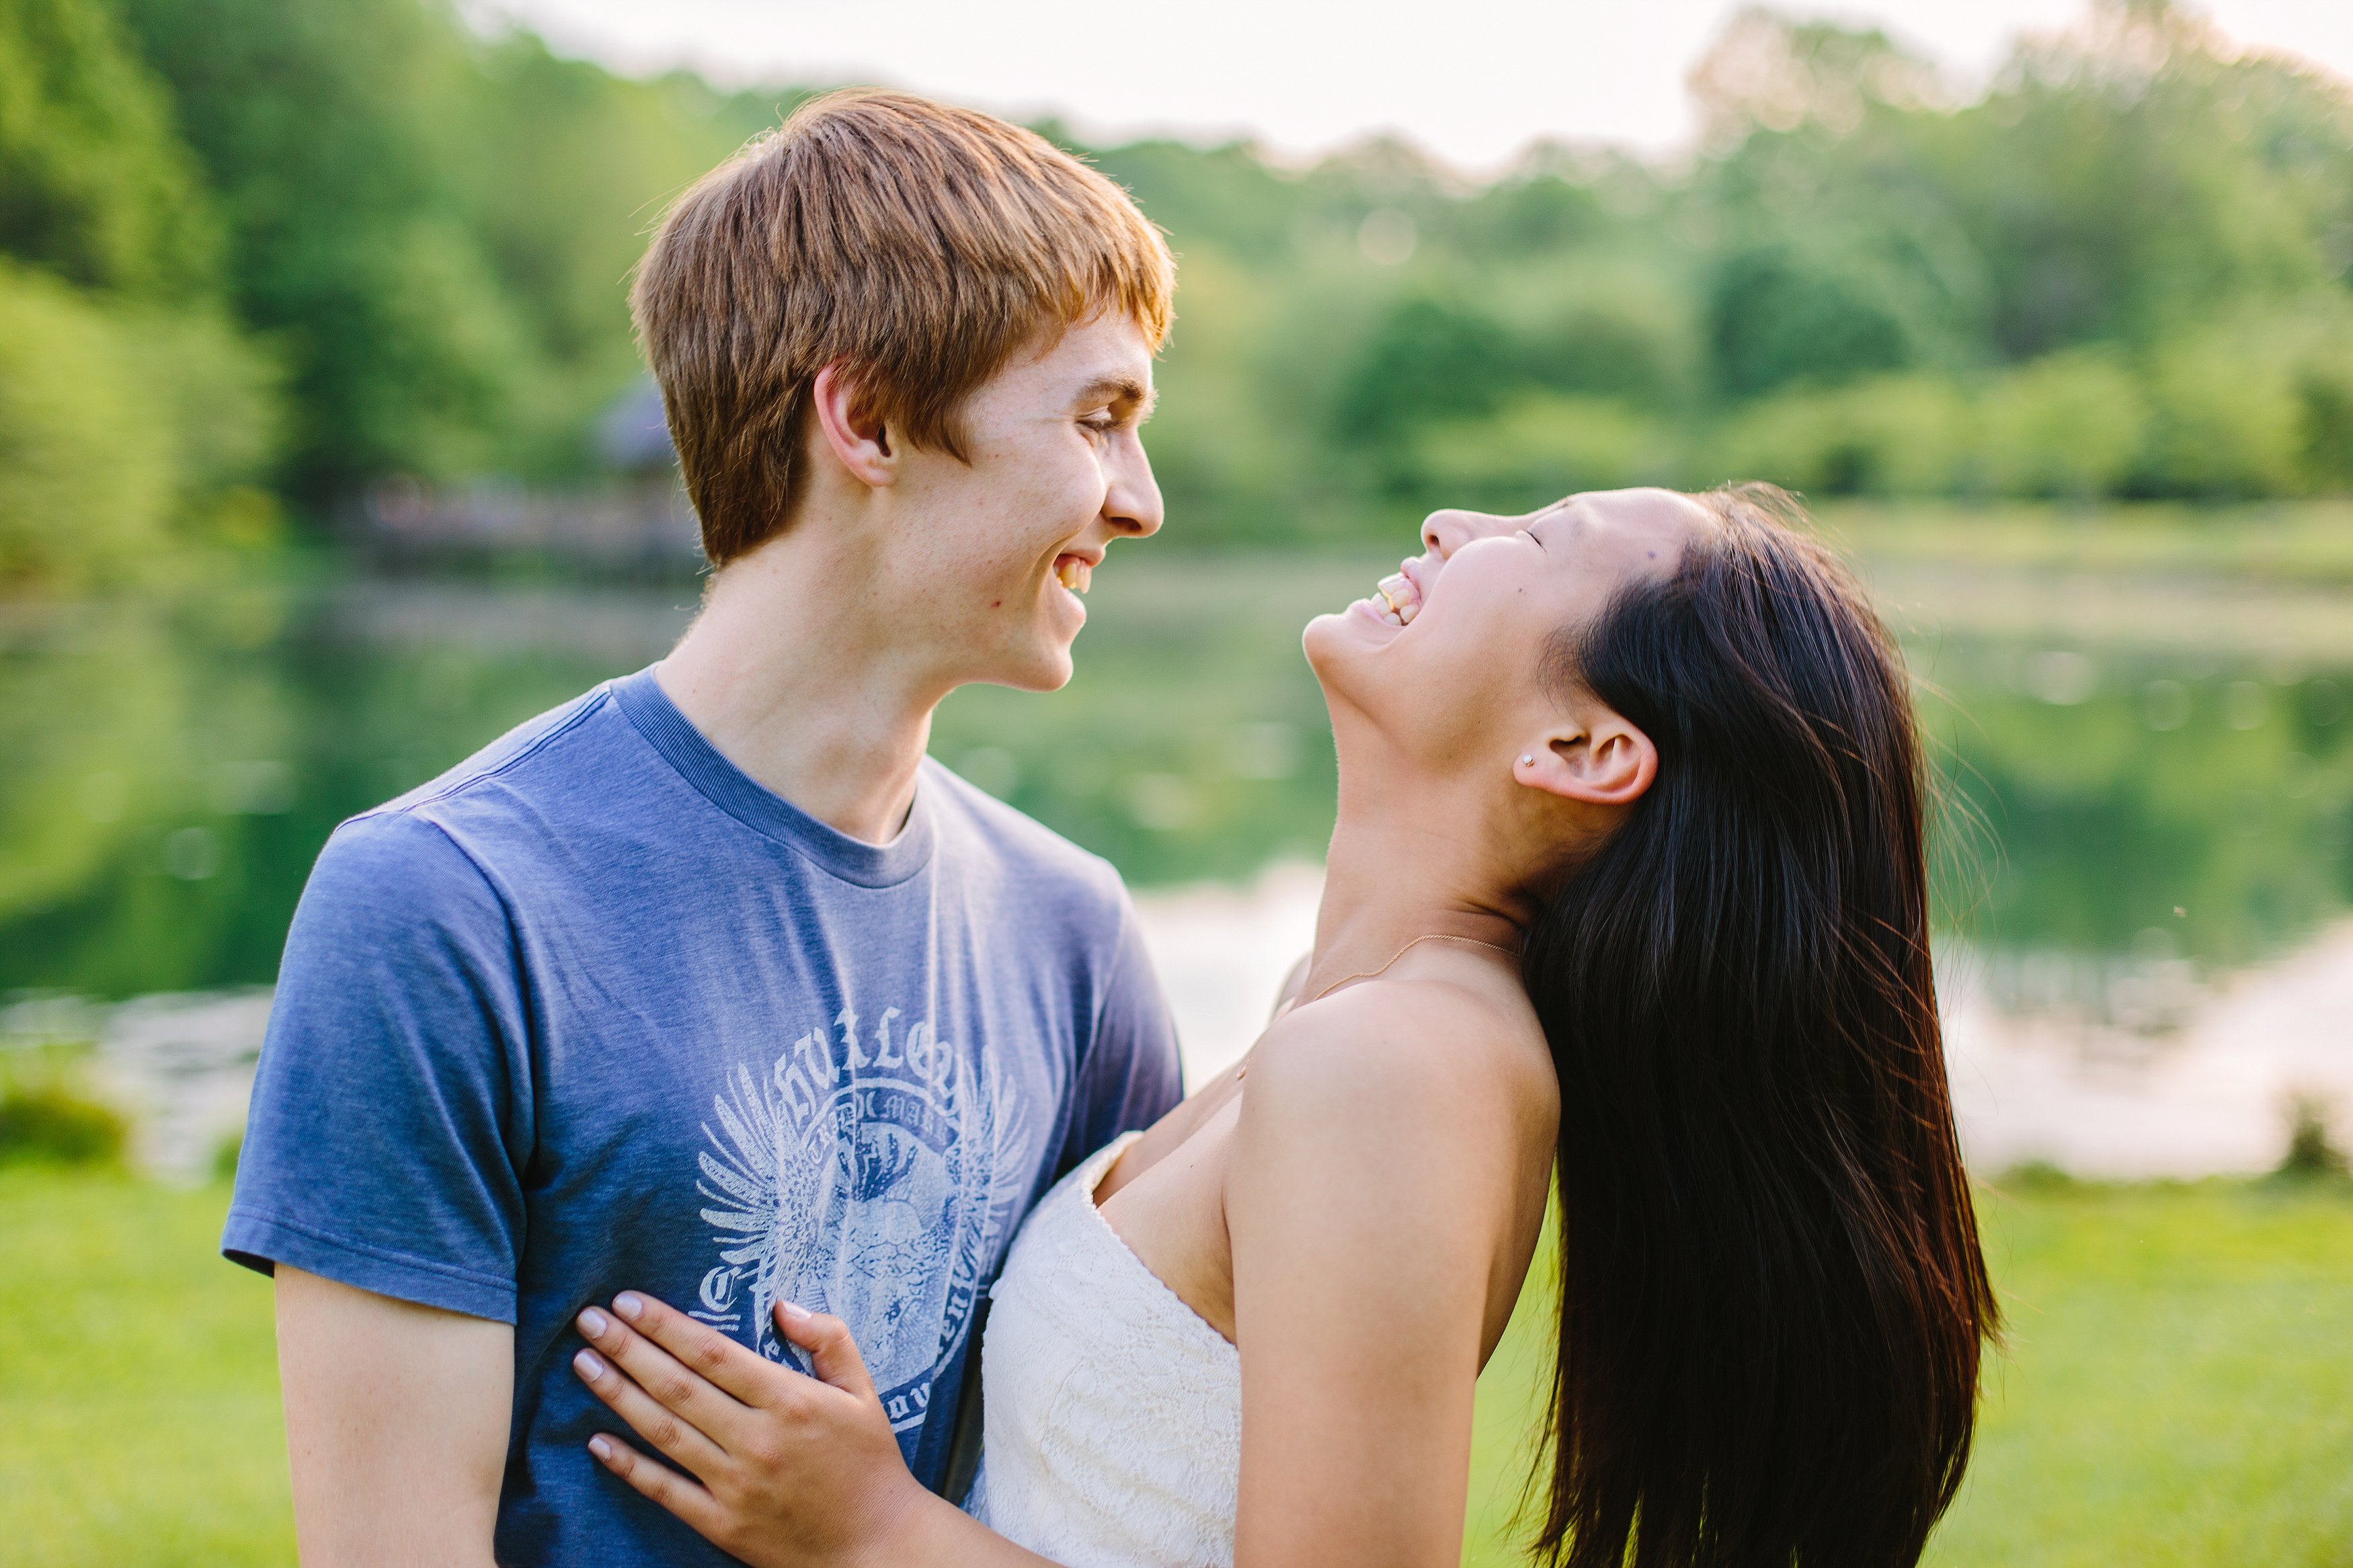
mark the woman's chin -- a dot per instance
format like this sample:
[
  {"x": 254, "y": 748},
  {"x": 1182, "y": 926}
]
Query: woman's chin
[
  {"x": 1365, "y": 623},
  {"x": 1332, "y": 642}
]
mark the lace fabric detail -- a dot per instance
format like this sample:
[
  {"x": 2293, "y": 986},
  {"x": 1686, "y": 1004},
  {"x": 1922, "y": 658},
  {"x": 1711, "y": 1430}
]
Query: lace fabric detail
[{"x": 1112, "y": 1430}]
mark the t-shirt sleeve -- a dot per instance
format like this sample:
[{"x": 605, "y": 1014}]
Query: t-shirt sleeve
[
  {"x": 391, "y": 1109},
  {"x": 1130, "y": 1076}
]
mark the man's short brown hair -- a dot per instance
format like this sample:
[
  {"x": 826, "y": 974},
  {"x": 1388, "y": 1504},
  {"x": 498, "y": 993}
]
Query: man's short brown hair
[{"x": 917, "y": 244}]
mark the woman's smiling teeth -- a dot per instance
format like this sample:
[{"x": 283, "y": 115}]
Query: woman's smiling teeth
[
  {"x": 1397, "y": 601},
  {"x": 1074, "y": 574}
]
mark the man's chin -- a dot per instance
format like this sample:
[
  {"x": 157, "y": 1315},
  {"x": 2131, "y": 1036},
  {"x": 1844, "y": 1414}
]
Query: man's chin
[{"x": 1043, "y": 668}]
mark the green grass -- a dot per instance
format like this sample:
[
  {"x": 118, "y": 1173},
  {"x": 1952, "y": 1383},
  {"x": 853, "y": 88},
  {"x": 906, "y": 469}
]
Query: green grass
[
  {"x": 2177, "y": 1392},
  {"x": 138, "y": 1415},
  {"x": 2177, "y": 1389}
]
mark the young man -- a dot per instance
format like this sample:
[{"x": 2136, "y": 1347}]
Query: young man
[{"x": 709, "y": 983}]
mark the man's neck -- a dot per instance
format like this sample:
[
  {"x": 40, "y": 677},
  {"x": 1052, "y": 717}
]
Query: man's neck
[{"x": 793, "y": 672}]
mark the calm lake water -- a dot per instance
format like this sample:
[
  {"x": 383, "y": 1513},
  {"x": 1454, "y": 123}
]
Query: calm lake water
[{"x": 2126, "y": 804}]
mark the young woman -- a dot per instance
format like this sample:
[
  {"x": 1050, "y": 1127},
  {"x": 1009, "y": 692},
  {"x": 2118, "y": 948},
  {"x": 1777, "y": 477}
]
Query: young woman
[{"x": 1626, "y": 897}]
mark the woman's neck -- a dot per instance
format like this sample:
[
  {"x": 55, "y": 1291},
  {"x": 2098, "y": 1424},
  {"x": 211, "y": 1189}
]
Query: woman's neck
[{"x": 1405, "y": 864}]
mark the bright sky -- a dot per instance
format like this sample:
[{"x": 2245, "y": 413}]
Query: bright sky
[{"x": 1472, "y": 80}]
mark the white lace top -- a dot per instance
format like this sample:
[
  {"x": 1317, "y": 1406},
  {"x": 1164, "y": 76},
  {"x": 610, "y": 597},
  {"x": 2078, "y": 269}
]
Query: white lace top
[{"x": 1112, "y": 1424}]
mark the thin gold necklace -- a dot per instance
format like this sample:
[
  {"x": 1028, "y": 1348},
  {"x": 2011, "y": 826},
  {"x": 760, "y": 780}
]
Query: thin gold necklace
[
  {"x": 1243, "y": 1071},
  {"x": 1408, "y": 947}
]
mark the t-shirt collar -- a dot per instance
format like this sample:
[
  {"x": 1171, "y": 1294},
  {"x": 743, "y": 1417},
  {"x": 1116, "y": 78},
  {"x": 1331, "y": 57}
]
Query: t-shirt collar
[{"x": 762, "y": 809}]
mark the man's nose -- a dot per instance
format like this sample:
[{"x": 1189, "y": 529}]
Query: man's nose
[
  {"x": 1445, "y": 532},
  {"x": 1132, "y": 506}
]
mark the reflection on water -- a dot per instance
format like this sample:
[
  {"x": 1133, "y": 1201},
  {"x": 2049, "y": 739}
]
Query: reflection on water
[
  {"x": 168, "y": 768},
  {"x": 2124, "y": 820},
  {"x": 2129, "y": 822},
  {"x": 2204, "y": 1083},
  {"x": 2134, "y": 809}
]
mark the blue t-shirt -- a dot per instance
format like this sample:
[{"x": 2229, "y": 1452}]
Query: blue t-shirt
[{"x": 595, "y": 1010}]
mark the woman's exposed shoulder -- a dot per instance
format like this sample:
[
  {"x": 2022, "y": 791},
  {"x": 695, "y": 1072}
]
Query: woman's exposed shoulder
[
  {"x": 1449, "y": 1060},
  {"x": 1401, "y": 1133}
]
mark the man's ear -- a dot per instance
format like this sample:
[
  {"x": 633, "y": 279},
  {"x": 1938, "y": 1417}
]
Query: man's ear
[
  {"x": 1606, "y": 760},
  {"x": 852, "y": 434}
]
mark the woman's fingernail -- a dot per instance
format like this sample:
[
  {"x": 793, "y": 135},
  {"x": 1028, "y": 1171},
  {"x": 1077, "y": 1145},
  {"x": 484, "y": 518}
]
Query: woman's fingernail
[
  {"x": 601, "y": 1449},
  {"x": 629, "y": 1304},
  {"x": 794, "y": 1311},
  {"x": 594, "y": 1323},
  {"x": 590, "y": 1364}
]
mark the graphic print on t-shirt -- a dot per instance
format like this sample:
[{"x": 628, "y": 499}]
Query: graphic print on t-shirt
[{"x": 869, "y": 1177}]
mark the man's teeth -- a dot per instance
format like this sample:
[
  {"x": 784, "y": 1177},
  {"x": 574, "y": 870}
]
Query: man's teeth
[{"x": 1074, "y": 574}]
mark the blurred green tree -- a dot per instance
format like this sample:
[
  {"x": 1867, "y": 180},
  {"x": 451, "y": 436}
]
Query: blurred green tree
[
  {"x": 331, "y": 135},
  {"x": 129, "y": 402},
  {"x": 2125, "y": 267},
  {"x": 1776, "y": 315},
  {"x": 86, "y": 474},
  {"x": 567, "y": 169},
  {"x": 1429, "y": 358},
  {"x": 95, "y": 184}
]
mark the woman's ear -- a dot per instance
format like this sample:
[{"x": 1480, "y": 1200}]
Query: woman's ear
[
  {"x": 853, "y": 434},
  {"x": 1606, "y": 761}
]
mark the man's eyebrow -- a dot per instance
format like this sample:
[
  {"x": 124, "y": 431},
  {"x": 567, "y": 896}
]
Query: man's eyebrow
[{"x": 1118, "y": 389}]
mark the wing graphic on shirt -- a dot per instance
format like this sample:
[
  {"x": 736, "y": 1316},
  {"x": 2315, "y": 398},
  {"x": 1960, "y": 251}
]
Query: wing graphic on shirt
[
  {"x": 994, "y": 1168},
  {"x": 763, "y": 1205},
  {"x": 883, "y": 1188}
]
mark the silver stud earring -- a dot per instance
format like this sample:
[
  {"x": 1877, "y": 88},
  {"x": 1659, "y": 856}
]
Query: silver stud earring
[{"x": 1529, "y": 761}]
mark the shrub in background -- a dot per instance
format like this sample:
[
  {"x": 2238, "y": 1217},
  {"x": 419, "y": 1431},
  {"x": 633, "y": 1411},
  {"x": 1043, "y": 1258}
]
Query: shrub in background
[
  {"x": 2235, "y": 410},
  {"x": 1601, "y": 329},
  {"x": 1892, "y": 436},
  {"x": 94, "y": 183},
  {"x": 2328, "y": 433},
  {"x": 2225, "y": 416},
  {"x": 2069, "y": 427},
  {"x": 1432, "y": 357},
  {"x": 129, "y": 404},
  {"x": 2323, "y": 389},
  {"x": 86, "y": 454},
  {"x": 2311, "y": 1155},
  {"x": 47, "y": 1117},
  {"x": 1786, "y": 311},
  {"x": 126, "y": 427},
  {"x": 1542, "y": 446},
  {"x": 1227, "y": 473}
]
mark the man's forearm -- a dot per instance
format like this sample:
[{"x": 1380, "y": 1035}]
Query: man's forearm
[{"x": 397, "y": 1420}]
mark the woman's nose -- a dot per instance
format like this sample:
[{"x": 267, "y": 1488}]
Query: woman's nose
[{"x": 1445, "y": 532}]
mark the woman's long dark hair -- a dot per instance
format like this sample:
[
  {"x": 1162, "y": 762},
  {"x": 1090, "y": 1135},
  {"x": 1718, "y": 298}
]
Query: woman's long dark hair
[{"x": 1772, "y": 1295}]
